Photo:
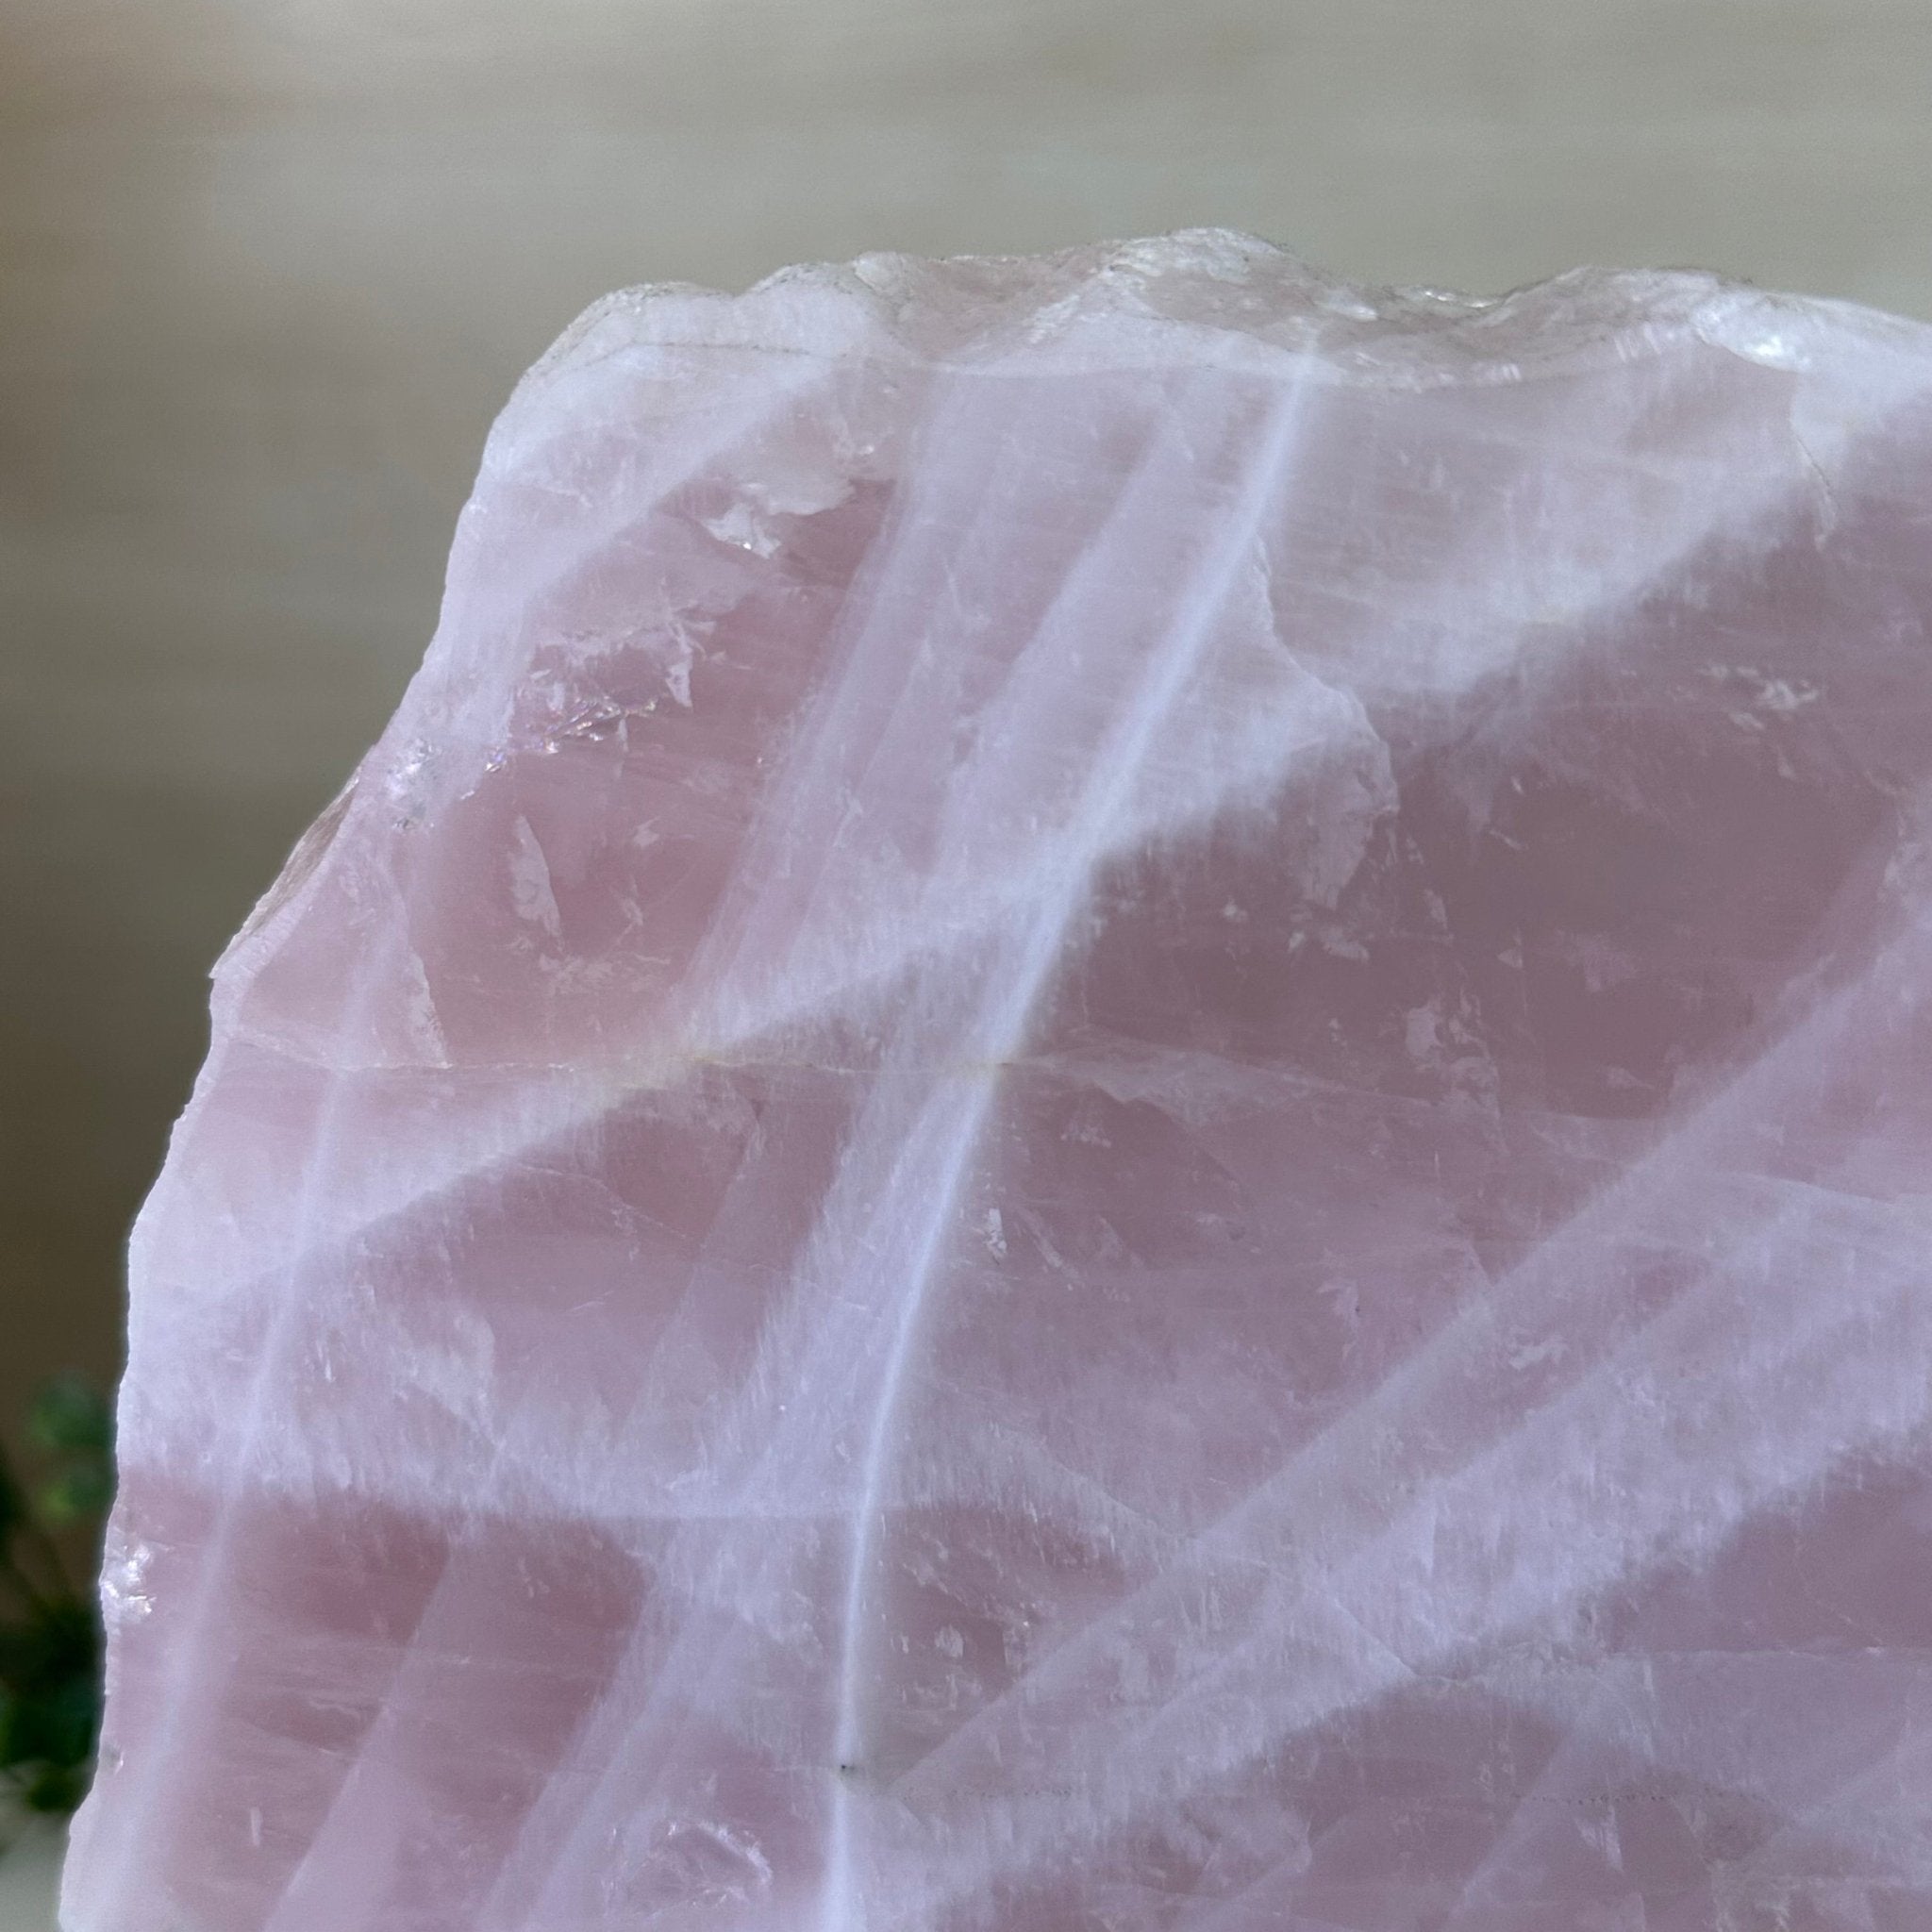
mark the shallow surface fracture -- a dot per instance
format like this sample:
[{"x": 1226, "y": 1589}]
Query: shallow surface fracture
[{"x": 1113, "y": 1113}]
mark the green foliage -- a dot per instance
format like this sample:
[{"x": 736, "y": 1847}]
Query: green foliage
[
  {"x": 69, "y": 1415},
  {"x": 70, "y": 1422},
  {"x": 50, "y": 1639}
]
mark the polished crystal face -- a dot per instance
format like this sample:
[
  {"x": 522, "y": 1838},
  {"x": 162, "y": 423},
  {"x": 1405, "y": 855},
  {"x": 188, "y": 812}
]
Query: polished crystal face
[{"x": 1112, "y": 1113}]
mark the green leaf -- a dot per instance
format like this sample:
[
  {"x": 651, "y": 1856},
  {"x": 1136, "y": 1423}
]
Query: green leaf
[
  {"x": 79, "y": 1492},
  {"x": 69, "y": 1414},
  {"x": 50, "y": 1640},
  {"x": 50, "y": 1705}
]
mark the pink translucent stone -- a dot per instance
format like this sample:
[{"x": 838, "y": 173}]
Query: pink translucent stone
[{"x": 1113, "y": 1113}]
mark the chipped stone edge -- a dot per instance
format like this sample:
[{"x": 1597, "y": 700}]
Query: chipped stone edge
[{"x": 1222, "y": 296}]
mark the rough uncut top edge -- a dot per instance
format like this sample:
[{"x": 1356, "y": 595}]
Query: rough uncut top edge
[
  {"x": 1198, "y": 295},
  {"x": 1219, "y": 292}
]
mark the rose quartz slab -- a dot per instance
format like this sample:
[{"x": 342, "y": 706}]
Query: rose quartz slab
[{"x": 1113, "y": 1113}]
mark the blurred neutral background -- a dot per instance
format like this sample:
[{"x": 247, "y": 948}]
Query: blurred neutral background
[{"x": 267, "y": 267}]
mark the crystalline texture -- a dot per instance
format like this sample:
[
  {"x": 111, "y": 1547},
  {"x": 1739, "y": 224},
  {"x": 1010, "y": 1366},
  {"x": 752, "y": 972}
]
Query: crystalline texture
[{"x": 1113, "y": 1113}]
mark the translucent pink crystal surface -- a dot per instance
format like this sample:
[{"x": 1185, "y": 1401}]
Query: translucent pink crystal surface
[{"x": 1113, "y": 1113}]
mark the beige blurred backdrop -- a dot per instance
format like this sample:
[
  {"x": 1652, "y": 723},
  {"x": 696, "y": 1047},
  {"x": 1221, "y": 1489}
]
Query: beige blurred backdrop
[{"x": 267, "y": 266}]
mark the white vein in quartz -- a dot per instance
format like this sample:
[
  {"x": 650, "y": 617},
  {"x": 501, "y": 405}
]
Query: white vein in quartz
[{"x": 1798, "y": 1384}]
